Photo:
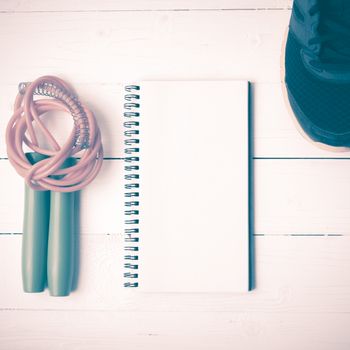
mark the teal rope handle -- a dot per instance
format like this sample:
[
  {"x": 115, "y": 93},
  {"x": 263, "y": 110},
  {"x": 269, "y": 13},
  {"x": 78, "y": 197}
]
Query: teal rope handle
[
  {"x": 60, "y": 260},
  {"x": 35, "y": 234}
]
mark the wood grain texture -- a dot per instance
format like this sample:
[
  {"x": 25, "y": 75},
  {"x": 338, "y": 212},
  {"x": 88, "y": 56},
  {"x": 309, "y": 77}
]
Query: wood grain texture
[
  {"x": 131, "y": 45},
  {"x": 293, "y": 275},
  {"x": 40, "y": 330},
  {"x": 301, "y": 300},
  {"x": 292, "y": 197},
  {"x": 302, "y": 196},
  {"x": 140, "y": 45},
  {"x": 275, "y": 135},
  {"x": 141, "y": 5}
]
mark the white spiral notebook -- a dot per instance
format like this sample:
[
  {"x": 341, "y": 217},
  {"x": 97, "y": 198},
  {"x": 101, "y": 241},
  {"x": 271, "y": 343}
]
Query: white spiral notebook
[{"x": 187, "y": 186}]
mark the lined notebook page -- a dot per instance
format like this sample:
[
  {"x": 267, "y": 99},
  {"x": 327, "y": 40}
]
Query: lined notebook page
[{"x": 194, "y": 232}]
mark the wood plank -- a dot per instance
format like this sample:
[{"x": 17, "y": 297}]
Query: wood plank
[
  {"x": 136, "y": 46},
  {"x": 275, "y": 134},
  {"x": 301, "y": 300},
  {"x": 126, "y": 48},
  {"x": 293, "y": 274},
  {"x": 291, "y": 197},
  {"x": 141, "y": 5},
  {"x": 302, "y": 196},
  {"x": 42, "y": 330},
  {"x": 131, "y": 46}
]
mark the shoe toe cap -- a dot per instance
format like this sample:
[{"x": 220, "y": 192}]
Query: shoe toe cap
[{"x": 321, "y": 107}]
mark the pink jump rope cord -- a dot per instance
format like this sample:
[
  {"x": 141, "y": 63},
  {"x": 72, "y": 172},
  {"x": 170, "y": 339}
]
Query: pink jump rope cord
[{"x": 85, "y": 137}]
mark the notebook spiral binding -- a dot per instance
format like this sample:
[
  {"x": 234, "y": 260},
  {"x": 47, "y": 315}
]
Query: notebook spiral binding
[{"x": 131, "y": 212}]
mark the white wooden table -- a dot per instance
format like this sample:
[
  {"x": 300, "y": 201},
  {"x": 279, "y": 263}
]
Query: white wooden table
[{"x": 302, "y": 207}]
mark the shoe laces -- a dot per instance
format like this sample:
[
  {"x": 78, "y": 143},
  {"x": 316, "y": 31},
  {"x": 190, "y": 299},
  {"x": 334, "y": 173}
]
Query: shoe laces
[{"x": 331, "y": 39}]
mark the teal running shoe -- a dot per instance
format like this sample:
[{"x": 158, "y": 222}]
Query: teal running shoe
[{"x": 316, "y": 70}]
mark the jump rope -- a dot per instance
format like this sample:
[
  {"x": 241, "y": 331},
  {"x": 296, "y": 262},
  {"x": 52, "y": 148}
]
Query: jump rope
[{"x": 53, "y": 176}]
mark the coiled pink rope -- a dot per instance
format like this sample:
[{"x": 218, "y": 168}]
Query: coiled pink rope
[{"x": 85, "y": 137}]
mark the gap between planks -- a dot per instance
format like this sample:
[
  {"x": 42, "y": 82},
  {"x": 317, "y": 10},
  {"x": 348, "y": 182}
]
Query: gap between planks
[
  {"x": 101, "y": 234},
  {"x": 150, "y": 10}
]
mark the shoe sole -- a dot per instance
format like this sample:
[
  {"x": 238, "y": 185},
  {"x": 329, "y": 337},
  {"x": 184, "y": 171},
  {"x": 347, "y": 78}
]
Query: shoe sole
[{"x": 290, "y": 110}]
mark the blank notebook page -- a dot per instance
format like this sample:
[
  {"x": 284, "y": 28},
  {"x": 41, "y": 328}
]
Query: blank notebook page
[{"x": 194, "y": 169}]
